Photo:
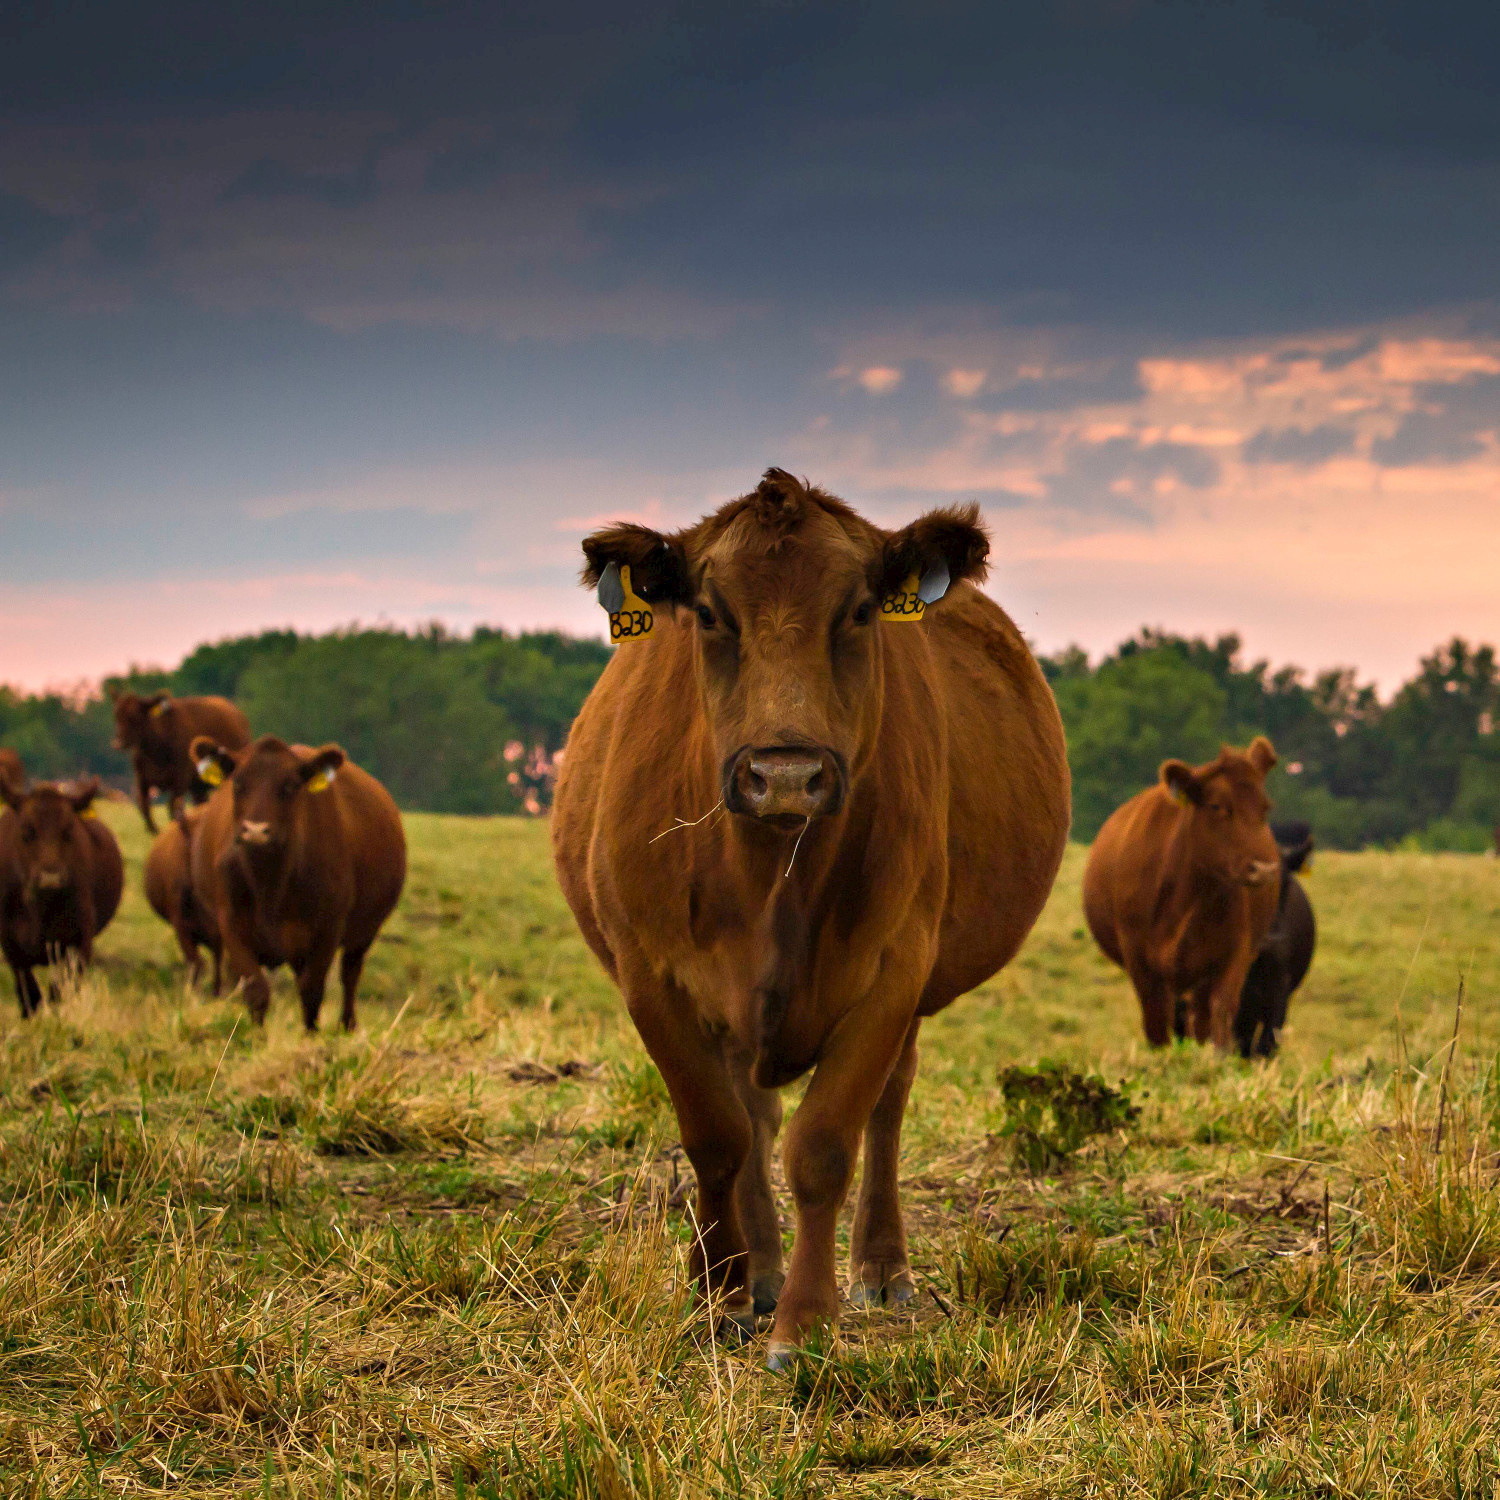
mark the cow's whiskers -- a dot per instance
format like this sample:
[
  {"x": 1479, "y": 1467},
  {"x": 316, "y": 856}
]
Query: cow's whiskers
[
  {"x": 684, "y": 823},
  {"x": 796, "y": 847}
]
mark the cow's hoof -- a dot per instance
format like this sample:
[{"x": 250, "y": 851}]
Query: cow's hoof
[
  {"x": 736, "y": 1323},
  {"x": 882, "y": 1284},
  {"x": 780, "y": 1357},
  {"x": 766, "y": 1289}
]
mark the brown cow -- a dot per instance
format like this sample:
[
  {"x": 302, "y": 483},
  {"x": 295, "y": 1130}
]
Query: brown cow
[
  {"x": 790, "y": 830},
  {"x": 169, "y": 889},
  {"x": 158, "y": 731},
  {"x": 12, "y": 772},
  {"x": 1181, "y": 887},
  {"x": 300, "y": 853},
  {"x": 60, "y": 880}
]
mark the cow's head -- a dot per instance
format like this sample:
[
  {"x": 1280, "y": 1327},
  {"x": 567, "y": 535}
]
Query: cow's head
[
  {"x": 782, "y": 590},
  {"x": 135, "y": 716},
  {"x": 49, "y": 833},
  {"x": 270, "y": 783},
  {"x": 1225, "y": 804}
]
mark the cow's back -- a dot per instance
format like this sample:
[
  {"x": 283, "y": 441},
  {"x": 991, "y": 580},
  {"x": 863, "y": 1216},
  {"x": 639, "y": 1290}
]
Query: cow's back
[
  {"x": 375, "y": 844},
  {"x": 1130, "y": 845},
  {"x": 1009, "y": 804},
  {"x": 213, "y": 716},
  {"x": 107, "y": 871},
  {"x": 167, "y": 871}
]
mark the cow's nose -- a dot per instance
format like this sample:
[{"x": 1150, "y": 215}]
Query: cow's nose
[
  {"x": 51, "y": 880},
  {"x": 252, "y": 832},
  {"x": 784, "y": 781},
  {"x": 1261, "y": 871}
]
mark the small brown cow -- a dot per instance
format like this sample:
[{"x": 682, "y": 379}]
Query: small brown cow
[
  {"x": 159, "y": 729},
  {"x": 12, "y": 772},
  {"x": 299, "y": 854},
  {"x": 61, "y": 877},
  {"x": 169, "y": 889},
  {"x": 795, "y": 817},
  {"x": 1181, "y": 887}
]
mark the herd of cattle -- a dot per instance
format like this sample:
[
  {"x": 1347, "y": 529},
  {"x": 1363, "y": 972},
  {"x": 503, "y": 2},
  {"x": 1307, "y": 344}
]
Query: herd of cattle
[
  {"x": 296, "y": 856},
  {"x": 789, "y": 829}
]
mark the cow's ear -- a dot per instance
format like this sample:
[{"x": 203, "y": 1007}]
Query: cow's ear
[
  {"x": 1181, "y": 780},
  {"x": 158, "y": 703},
  {"x": 1296, "y": 859},
  {"x": 1261, "y": 754},
  {"x": 658, "y": 564},
  {"x": 83, "y": 794},
  {"x": 940, "y": 549},
  {"x": 210, "y": 759},
  {"x": 319, "y": 769},
  {"x": 12, "y": 792}
]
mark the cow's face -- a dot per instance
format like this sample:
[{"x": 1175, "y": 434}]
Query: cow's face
[
  {"x": 270, "y": 784},
  {"x": 782, "y": 590},
  {"x": 135, "y": 717},
  {"x": 1225, "y": 805},
  {"x": 49, "y": 833}
]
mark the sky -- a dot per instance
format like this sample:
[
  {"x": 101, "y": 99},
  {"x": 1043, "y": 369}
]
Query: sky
[{"x": 321, "y": 313}]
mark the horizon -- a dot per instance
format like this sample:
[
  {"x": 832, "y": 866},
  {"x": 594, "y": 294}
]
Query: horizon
[{"x": 335, "y": 314}]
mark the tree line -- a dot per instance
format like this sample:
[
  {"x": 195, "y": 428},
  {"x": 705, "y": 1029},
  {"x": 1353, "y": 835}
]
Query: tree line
[{"x": 470, "y": 724}]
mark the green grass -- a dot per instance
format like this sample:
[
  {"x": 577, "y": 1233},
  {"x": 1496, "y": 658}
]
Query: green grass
[{"x": 447, "y": 1255}]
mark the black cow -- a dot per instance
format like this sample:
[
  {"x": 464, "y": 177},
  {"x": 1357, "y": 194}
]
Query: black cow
[{"x": 1284, "y": 957}]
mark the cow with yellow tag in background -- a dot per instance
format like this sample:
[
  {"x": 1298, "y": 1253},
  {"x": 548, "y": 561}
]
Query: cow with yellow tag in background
[
  {"x": 1181, "y": 887},
  {"x": 158, "y": 731},
  {"x": 299, "y": 854},
  {"x": 61, "y": 878},
  {"x": 818, "y": 793}
]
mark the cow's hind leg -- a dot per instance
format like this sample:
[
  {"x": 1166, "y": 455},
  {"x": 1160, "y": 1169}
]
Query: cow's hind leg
[
  {"x": 351, "y": 966},
  {"x": 715, "y": 1129},
  {"x": 754, "y": 1196},
  {"x": 879, "y": 1270}
]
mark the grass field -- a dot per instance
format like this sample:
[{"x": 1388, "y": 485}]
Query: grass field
[{"x": 446, "y": 1255}]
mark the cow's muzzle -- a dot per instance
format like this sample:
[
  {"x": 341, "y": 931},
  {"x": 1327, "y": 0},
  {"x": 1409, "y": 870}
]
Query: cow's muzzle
[
  {"x": 50, "y": 880},
  {"x": 255, "y": 835},
  {"x": 1261, "y": 872},
  {"x": 784, "y": 784}
]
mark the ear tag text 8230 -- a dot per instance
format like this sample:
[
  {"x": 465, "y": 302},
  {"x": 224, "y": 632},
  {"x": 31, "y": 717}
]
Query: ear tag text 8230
[
  {"x": 910, "y": 601},
  {"x": 630, "y": 616}
]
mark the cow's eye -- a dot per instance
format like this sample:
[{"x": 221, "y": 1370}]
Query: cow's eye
[
  {"x": 706, "y": 617},
  {"x": 28, "y": 835},
  {"x": 289, "y": 788},
  {"x": 862, "y": 614}
]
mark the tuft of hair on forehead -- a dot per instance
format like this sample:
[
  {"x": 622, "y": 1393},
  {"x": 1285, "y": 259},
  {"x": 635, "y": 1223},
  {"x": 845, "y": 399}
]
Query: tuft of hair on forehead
[{"x": 775, "y": 511}]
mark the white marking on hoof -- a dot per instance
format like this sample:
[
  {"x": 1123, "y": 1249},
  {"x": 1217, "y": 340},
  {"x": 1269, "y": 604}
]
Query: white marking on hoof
[{"x": 780, "y": 1357}]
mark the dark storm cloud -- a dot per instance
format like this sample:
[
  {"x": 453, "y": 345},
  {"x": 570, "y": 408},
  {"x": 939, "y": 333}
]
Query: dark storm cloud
[
  {"x": 1174, "y": 168},
  {"x": 1446, "y": 427},
  {"x": 1299, "y": 445}
]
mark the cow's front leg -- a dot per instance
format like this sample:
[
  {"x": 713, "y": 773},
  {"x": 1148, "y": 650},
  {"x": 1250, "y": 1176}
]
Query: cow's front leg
[
  {"x": 714, "y": 1127},
  {"x": 1158, "y": 1001},
  {"x": 879, "y": 1270},
  {"x": 244, "y": 968},
  {"x": 822, "y": 1145},
  {"x": 143, "y": 798},
  {"x": 1224, "y": 1000},
  {"x": 312, "y": 979}
]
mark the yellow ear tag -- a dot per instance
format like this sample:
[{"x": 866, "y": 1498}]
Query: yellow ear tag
[
  {"x": 88, "y": 812},
  {"x": 210, "y": 772},
  {"x": 630, "y": 617},
  {"x": 1306, "y": 866},
  {"x": 905, "y": 603},
  {"x": 1179, "y": 796},
  {"x": 321, "y": 782},
  {"x": 161, "y": 708}
]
